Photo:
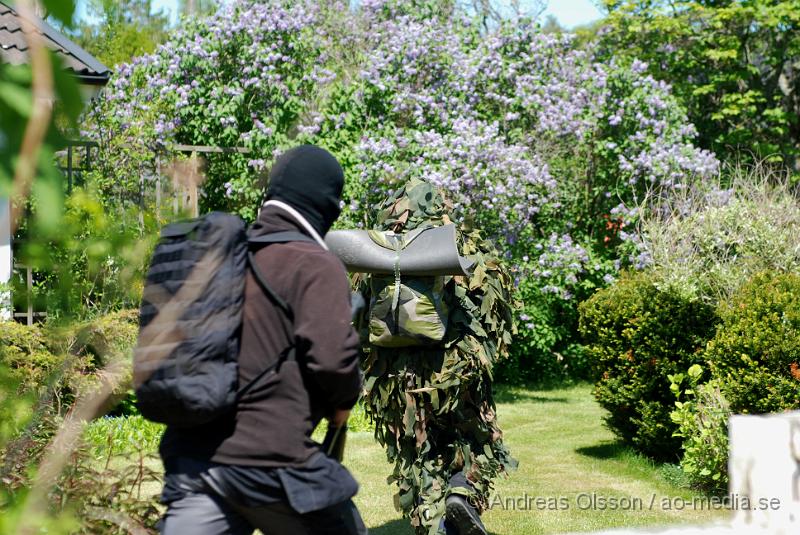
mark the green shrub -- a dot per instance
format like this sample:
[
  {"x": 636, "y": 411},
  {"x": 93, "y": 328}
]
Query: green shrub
[
  {"x": 636, "y": 336},
  {"x": 57, "y": 362},
  {"x": 49, "y": 366},
  {"x": 107, "y": 337},
  {"x": 113, "y": 478},
  {"x": 756, "y": 352},
  {"x": 701, "y": 414},
  {"x": 97, "y": 343},
  {"x": 118, "y": 496},
  {"x": 545, "y": 351},
  {"x": 126, "y": 435},
  {"x": 23, "y": 351}
]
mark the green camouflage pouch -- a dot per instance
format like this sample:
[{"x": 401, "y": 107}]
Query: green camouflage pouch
[{"x": 405, "y": 311}]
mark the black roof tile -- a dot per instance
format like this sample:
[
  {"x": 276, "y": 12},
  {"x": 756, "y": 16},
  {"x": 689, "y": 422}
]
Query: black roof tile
[{"x": 14, "y": 47}]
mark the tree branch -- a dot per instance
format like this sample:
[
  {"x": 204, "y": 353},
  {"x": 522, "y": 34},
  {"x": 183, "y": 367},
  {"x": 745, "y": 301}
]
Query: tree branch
[{"x": 39, "y": 121}]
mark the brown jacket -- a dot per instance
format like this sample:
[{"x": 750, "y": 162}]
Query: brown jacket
[{"x": 274, "y": 420}]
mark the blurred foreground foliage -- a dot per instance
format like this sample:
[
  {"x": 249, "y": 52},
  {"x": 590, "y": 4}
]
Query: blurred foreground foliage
[
  {"x": 95, "y": 264},
  {"x": 580, "y": 136},
  {"x": 111, "y": 479},
  {"x": 88, "y": 256}
]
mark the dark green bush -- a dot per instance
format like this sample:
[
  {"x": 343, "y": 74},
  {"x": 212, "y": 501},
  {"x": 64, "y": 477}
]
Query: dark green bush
[
  {"x": 756, "y": 352},
  {"x": 545, "y": 351},
  {"x": 636, "y": 336}
]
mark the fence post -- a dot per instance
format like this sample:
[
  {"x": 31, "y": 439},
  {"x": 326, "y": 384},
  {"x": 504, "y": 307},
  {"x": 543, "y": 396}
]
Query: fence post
[
  {"x": 192, "y": 184},
  {"x": 29, "y": 285},
  {"x": 69, "y": 168},
  {"x": 176, "y": 193},
  {"x": 88, "y": 165}
]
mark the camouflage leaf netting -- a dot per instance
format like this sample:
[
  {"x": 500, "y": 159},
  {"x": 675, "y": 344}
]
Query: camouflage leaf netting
[{"x": 432, "y": 406}]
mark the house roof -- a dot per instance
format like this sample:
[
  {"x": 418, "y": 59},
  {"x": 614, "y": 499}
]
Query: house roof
[{"x": 14, "y": 47}]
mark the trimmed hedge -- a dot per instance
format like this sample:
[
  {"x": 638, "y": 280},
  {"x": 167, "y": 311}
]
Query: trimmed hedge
[
  {"x": 756, "y": 352},
  {"x": 65, "y": 360},
  {"x": 637, "y": 335}
]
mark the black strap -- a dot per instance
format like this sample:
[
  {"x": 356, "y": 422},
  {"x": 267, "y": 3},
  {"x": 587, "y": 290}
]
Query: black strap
[
  {"x": 280, "y": 237},
  {"x": 290, "y": 353},
  {"x": 263, "y": 240},
  {"x": 272, "y": 294}
]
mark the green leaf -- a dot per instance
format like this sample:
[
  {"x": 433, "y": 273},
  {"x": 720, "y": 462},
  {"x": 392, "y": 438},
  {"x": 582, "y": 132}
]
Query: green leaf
[
  {"x": 16, "y": 97},
  {"x": 48, "y": 216},
  {"x": 695, "y": 371},
  {"x": 435, "y": 399},
  {"x": 63, "y": 10}
]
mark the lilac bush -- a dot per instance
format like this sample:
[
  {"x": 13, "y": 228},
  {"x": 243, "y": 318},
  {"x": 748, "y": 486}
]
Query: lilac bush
[
  {"x": 486, "y": 117},
  {"x": 501, "y": 185},
  {"x": 241, "y": 78},
  {"x": 555, "y": 154}
]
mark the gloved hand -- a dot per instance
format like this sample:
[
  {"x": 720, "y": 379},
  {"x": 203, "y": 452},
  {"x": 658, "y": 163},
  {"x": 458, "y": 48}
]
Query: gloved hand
[{"x": 335, "y": 440}]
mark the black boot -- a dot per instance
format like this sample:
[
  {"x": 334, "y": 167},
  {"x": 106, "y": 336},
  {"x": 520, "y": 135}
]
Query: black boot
[{"x": 463, "y": 516}]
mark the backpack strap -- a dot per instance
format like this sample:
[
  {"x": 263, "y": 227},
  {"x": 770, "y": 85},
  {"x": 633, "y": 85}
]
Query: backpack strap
[
  {"x": 272, "y": 294},
  {"x": 280, "y": 237},
  {"x": 266, "y": 239},
  {"x": 290, "y": 353}
]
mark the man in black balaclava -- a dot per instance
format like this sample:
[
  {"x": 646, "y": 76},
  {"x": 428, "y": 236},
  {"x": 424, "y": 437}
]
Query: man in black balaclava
[
  {"x": 310, "y": 180},
  {"x": 259, "y": 468}
]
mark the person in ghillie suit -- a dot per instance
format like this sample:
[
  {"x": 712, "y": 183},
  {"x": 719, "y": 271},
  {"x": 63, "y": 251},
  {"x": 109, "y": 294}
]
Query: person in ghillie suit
[{"x": 432, "y": 405}]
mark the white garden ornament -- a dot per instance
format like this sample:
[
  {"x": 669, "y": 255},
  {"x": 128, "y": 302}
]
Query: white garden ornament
[{"x": 764, "y": 489}]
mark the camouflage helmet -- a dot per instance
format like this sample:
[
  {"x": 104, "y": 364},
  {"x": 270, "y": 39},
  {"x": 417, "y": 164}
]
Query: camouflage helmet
[{"x": 417, "y": 203}]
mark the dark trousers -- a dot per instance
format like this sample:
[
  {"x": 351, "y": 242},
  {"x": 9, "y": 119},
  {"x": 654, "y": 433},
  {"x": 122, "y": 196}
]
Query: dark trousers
[{"x": 209, "y": 514}]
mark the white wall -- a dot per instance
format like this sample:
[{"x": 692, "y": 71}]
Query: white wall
[{"x": 6, "y": 259}]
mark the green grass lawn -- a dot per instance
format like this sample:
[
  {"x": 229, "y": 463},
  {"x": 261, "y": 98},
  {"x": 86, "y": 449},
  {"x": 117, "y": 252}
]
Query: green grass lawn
[{"x": 564, "y": 452}]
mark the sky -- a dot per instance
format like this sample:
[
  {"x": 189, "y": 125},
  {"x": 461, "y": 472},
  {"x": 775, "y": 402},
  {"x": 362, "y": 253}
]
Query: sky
[{"x": 570, "y": 13}]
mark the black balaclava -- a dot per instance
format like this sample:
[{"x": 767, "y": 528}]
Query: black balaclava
[{"x": 309, "y": 179}]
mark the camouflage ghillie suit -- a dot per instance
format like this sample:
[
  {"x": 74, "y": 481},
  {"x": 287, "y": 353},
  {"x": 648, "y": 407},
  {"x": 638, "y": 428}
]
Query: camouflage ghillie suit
[{"x": 432, "y": 406}]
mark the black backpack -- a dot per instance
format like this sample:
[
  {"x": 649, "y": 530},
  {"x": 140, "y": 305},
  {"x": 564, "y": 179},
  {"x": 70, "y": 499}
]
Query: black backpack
[{"x": 185, "y": 363}]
